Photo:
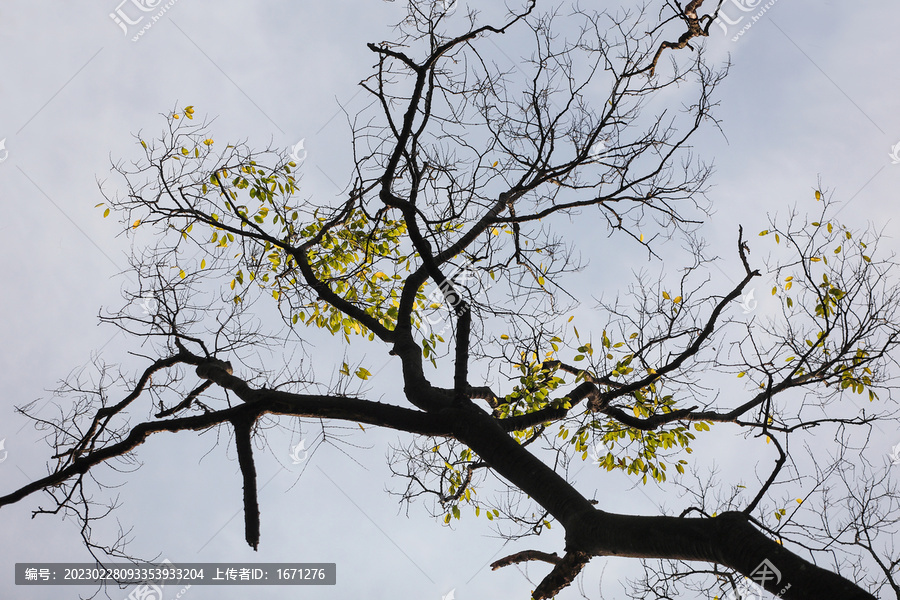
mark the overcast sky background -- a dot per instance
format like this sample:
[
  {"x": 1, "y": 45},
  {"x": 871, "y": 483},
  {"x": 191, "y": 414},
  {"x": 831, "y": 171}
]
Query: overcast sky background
[{"x": 813, "y": 92}]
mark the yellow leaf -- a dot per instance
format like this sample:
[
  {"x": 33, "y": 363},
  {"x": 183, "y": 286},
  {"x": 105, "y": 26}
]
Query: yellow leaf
[
  {"x": 182, "y": 274},
  {"x": 666, "y": 295},
  {"x": 642, "y": 237},
  {"x": 203, "y": 264},
  {"x": 135, "y": 224},
  {"x": 496, "y": 162},
  {"x": 105, "y": 213},
  {"x": 799, "y": 500},
  {"x": 818, "y": 195},
  {"x": 677, "y": 300}
]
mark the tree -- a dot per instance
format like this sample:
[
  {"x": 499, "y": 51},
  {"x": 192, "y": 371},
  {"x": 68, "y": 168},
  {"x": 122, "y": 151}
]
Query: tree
[{"x": 451, "y": 248}]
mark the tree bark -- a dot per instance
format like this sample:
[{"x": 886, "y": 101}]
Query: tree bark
[{"x": 729, "y": 539}]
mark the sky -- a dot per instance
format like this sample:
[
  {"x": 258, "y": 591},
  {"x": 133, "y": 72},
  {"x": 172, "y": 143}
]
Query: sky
[{"x": 812, "y": 95}]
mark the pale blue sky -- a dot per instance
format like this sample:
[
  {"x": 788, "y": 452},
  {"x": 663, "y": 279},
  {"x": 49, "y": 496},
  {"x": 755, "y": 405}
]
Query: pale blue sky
[{"x": 812, "y": 93}]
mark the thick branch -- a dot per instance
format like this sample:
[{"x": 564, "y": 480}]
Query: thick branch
[
  {"x": 525, "y": 556},
  {"x": 244, "y": 443},
  {"x": 262, "y": 402}
]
